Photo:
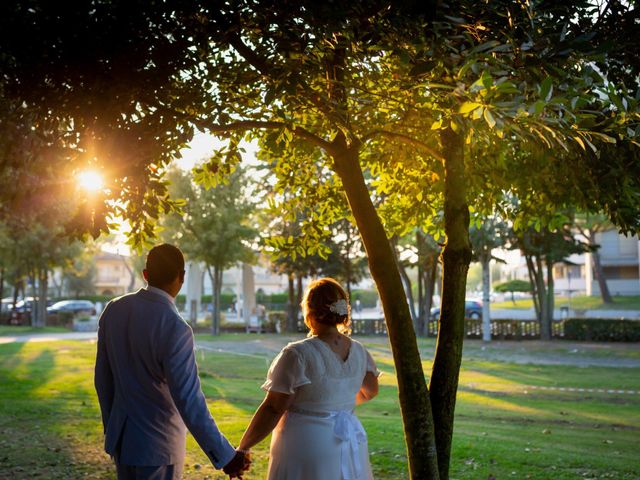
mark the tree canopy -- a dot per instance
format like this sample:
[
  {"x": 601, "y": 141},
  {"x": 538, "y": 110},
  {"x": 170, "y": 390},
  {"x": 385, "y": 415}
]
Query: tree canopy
[{"x": 406, "y": 112}]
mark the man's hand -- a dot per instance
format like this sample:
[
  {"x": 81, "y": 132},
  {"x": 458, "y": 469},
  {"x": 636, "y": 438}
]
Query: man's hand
[{"x": 238, "y": 465}]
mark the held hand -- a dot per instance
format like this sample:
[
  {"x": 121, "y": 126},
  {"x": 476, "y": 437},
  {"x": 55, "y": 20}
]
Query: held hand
[{"x": 238, "y": 465}]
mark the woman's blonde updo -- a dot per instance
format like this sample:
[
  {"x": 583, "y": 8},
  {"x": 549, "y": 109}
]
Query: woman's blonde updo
[{"x": 316, "y": 305}]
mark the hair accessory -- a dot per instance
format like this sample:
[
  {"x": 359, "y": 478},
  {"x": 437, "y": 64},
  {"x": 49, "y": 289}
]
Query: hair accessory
[{"x": 340, "y": 307}]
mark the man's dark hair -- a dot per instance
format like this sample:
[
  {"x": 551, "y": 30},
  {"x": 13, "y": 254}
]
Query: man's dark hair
[{"x": 164, "y": 263}]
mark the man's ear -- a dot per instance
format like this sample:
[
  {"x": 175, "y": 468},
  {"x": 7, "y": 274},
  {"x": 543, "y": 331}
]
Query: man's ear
[
  {"x": 182, "y": 274},
  {"x": 145, "y": 275}
]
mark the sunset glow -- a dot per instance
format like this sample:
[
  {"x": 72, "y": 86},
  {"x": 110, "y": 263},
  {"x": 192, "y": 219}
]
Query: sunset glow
[{"x": 90, "y": 180}]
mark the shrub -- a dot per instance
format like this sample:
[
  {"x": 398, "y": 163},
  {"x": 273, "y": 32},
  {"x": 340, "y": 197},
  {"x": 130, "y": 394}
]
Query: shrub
[
  {"x": 276, "y": 321},
  {"x": 602, "y": 329},
  {"x": 61, "y": 319},
  {"x": 368, "y": 298}
]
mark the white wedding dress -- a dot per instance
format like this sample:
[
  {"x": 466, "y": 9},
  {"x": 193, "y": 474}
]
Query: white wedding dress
[{"x": 319, "y": 438}]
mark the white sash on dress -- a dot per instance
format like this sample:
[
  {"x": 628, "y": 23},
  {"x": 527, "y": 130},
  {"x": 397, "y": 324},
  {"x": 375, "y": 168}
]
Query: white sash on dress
[{"x": 349, "y": 430}]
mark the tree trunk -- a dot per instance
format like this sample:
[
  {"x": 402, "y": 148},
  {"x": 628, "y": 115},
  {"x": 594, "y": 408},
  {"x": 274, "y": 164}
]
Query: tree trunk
[
  {"x": 347, "y": 262},
  {"x": 430, "y": 289},
  {"x": 541, "y": 292},
  {"x": 299, "y": 294},
  {"x": 1, "y": 282},
  {"x": 132, "y": 280},
  {"x": 548, "y": 333},
  {"x": 42, "y": 297},
  {"x": 408, "y": 290},
  {"x": 215, "y": 300},
  {"x": 291, "y": 310},
  {"x": 602, "y": 281},
  {"x": 34, "y": 294},
  {"x": 486, "y": 297},
  {"x": 422, "y": 280},
  {"x": 415, "y": 404},
  {"x": 456, "y": 257},
  {"x": 533, "y": 280}
]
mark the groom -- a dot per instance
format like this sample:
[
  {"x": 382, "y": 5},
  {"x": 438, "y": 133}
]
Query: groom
[{"x": 147, "y": 381}]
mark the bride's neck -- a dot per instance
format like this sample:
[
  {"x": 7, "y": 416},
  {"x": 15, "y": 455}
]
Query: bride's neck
[{"x": 326, "y": 331}]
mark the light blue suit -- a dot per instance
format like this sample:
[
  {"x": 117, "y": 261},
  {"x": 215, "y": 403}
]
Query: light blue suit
[{"x": 148, "y": 385}]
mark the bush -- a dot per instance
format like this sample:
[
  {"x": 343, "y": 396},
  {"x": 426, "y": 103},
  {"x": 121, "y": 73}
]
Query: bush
[
  {"x": 368, "y": 298},
  {"x": 276, "y": 321},
  {"x": 61, "y": 319},
  {"x": 602, "y": 329}
]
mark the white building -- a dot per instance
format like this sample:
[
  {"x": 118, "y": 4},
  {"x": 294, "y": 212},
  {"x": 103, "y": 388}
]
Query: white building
[{"x": 620, "y": 259}]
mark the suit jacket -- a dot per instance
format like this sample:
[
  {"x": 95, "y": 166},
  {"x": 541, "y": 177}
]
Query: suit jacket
[{"x": 148, "y": 386}]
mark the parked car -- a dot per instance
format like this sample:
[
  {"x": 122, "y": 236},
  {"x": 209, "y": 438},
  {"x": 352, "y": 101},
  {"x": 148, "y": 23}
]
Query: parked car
[
  {"x": 22, "y": 310},
  {"x": 73, "y": 306},
  {"x": 472, "y": 310}
]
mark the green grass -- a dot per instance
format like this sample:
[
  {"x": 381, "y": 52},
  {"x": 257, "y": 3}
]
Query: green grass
[
  {"x": 50, "y": 427},
  {"x": 8, "y": 330},
  {"x": 578, "y": 303}
]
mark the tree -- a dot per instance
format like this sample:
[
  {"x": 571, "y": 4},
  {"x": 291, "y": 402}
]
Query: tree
[
  {"x": 213, "y": 228},
  {"x": 542, "y": 250},
  {"x": 428, "y": 260},
  {"x": 487, "y": 234},
  {"x": 424, "y": 112},
  {"x": 589, "y": 225},
  {"x": 512, "y": 286},
  {"x": 80, "y": 272},
  {"x": 346, "y": 261}
]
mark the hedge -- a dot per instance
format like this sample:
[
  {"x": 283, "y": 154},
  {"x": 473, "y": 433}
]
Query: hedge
[{"x": 602, "y": 329}]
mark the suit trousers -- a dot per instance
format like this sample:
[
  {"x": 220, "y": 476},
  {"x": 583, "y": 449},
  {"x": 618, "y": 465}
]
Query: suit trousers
[{"x": 161, "y": 472}]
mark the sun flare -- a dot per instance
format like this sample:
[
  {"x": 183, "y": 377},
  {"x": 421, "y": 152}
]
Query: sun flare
[{"x": 90, "y": 180}]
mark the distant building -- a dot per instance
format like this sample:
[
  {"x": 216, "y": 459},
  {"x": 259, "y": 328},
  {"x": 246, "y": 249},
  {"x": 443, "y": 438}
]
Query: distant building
[
  {"x": 114, "y": 275},
  {"x": 620, "y": 259}
]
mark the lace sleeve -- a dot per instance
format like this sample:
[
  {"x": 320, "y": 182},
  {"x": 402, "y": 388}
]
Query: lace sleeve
[
  {"x": 286, "y": 373},
  {"x": 371, "y": 365}
]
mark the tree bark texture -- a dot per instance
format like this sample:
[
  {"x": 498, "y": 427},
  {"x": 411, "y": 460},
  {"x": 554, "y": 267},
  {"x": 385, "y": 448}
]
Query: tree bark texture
[
  {"x": 456, "y": 257},
  {"x": 414, "y": 396}
]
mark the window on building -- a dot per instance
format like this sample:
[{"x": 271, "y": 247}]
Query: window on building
[{"x": 628, "y": 272}]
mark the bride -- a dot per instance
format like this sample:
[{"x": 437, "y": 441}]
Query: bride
[{"x": 312, "y": 388}]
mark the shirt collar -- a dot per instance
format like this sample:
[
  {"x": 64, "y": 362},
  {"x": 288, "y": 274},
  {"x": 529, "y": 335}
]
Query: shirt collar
[{"x": 159, "y": 291}]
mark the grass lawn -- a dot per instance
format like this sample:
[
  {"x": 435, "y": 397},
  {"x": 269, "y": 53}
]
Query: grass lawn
[
  {"x": 9, "y": 330},
  {"x": 578, "y": 302},
  {"x": 506, "y": 424}
]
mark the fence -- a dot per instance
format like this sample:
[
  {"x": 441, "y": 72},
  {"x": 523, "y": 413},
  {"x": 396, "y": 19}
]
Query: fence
[{"x": 500, "y": 329}]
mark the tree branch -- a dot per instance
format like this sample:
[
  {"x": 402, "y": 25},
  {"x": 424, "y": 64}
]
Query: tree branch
[
  {"x": 244, "y": 125},
  {"x": 270, "y": 70},
  {"x": 405, "y": 139}
]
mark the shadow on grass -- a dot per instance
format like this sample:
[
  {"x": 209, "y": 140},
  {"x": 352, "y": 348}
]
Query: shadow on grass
[{"x": 46, "y": 416}]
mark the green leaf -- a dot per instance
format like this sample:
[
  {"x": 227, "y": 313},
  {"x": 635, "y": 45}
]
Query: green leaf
[
  {"x": 546, "y": 89},
  {"x": 467, "y": 107},
  {"x": 488, "y": 117}
]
